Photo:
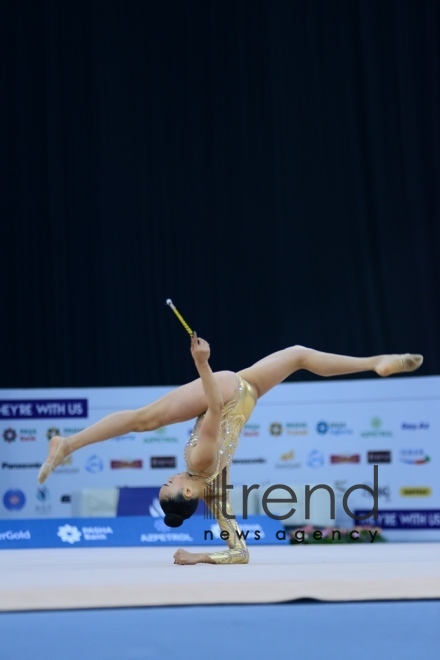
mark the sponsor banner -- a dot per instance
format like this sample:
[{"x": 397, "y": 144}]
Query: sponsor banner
[
  {"x": 43, "y": 408},
  {"x": 333, "y": 428},
  {"x": 131, "y": 532},
  {"x": 336, "y": 459},
  {"x": 379, "y": 457},
  {"x": 163, "y": 462},
  {"x": 414, "y": 457},
  {"x": 376, "y": 430},
  {"x": 328, "y": 432},
  {"x": 402, "y": 519},
  {"x": 415, "y": 426},
  {"x": 415, "y": 491}
]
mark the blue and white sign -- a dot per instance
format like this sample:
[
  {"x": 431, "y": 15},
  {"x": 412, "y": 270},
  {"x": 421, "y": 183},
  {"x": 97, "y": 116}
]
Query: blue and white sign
[{"x": 131, "y": 532}]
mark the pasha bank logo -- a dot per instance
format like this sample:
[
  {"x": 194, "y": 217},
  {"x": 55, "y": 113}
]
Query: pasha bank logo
[{"x": 9, "y": 435}]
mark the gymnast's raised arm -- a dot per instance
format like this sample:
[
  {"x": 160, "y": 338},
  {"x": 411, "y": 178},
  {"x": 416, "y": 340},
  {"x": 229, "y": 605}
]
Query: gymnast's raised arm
[{"x": 206, "y": 452}]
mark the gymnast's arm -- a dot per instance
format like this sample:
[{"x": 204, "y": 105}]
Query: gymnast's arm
[
  {"x": 205, "y": 453},
  {"x": 237, "y": 552}
]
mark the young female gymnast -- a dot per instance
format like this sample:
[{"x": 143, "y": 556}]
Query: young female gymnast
[{"x": 222, "y": 402}]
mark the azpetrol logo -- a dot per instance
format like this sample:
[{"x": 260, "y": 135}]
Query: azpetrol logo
[
  {"x": 9, "y": 435},
  {"x": 161, "y": 436},
  {"x": 414, "y": 457},
  {"x": 333, "y": 428},
  {"x": 14, "y": 500},
  {"x": 376, "y": 430}
]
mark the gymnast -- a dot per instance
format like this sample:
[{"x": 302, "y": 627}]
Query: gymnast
[{"x": 222, "y": 402}]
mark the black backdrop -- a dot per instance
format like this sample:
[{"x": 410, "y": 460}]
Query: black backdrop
[{"x": 272, "y": 166}]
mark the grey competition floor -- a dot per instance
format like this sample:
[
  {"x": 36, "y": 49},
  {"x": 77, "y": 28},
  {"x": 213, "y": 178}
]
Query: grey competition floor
[{"x": 403, "y": 629}]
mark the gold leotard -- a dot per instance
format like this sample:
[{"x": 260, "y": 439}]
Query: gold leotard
[{"x": 235, "y": 414}]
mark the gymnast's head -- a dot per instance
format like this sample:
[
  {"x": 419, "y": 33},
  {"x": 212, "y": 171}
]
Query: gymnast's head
[{"x": 179, "y": 498}]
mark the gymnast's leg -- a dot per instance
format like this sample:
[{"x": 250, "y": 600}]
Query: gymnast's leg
[
  {"x": 275, "y": 368},
  {"x": 180, "y": 405}
]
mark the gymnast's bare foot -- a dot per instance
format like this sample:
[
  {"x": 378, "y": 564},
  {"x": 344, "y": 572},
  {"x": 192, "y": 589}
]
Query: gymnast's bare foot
[
  {"x": 397, "y": 364},
  {"x": 58, "y": 450}
]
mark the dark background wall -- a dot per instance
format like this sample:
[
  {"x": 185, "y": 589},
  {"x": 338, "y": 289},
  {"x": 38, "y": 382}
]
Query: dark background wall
[{"x": 272, "y": 166}]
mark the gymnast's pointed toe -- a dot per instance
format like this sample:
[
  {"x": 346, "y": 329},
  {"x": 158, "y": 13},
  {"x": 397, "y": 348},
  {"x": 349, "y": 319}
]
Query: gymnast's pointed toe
[
  {"x": 57, "y": 453},
  {"x": 411, "y": 361},
  {"x": 44, "y": 472}
]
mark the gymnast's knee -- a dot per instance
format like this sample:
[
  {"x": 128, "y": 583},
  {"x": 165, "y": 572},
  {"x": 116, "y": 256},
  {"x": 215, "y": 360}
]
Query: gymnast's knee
[
  {"x": 145, "y": 419},
  {"x": 298, "y": 354}
]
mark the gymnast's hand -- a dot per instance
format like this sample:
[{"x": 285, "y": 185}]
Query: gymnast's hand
[
  {"x": 199, "y": 349},
  {"x": 185, "y": 557}
]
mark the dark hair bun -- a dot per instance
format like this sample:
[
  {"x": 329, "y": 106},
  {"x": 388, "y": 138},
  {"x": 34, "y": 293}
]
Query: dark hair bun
[{"x": 173, "y": 519}]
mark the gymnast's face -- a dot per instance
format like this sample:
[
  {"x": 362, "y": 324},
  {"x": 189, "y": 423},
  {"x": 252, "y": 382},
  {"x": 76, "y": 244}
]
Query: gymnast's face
[{"x": 175, "y": 484}]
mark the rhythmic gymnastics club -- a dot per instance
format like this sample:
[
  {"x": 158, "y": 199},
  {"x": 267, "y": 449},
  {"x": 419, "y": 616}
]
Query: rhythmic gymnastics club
[{"x": 179, "y": 316}]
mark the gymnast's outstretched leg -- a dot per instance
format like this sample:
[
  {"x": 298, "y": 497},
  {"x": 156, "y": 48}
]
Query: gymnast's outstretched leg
[
  {"x": 275, "y": 368},
  {"x": 180, "y": 405}
]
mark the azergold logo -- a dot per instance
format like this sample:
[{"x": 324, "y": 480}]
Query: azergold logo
[
  {"x": 289, "y": 456},
  {"x": 415, "y": 491}
]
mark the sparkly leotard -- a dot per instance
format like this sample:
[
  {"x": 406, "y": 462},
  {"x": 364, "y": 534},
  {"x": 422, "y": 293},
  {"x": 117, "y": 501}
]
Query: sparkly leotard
[{"x": 235, "y": 414}]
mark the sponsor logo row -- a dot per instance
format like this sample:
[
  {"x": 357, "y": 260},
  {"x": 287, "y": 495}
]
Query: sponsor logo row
[
  {"x": 316, "y": 458},
  {"x": 15, "y": 499},
  {"x": 376, "y": 429},
  {"x": 31, "y": 434},
  {"x": 322, "y": 427},
  {"x": 95, "y": 464}
]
